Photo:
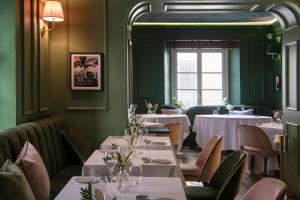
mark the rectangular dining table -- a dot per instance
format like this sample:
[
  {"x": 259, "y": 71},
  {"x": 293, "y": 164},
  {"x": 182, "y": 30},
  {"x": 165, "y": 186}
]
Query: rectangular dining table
[
  {"x": 154, "y": 187},
  {"x": 95, "y": 165},
  {"x": 169, "y": 119},
  {"x": 157, "y": 143}
]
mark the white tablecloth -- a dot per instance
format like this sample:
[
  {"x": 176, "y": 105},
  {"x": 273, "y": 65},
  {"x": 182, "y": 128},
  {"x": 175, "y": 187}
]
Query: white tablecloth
[
  {"x": 95, "y": 165},
  {"x": 169, "y": 119},
  {"x": 120, "y": 140},
  {"x": 153, "y": 187},
  {"x": 207, "y": 126}
]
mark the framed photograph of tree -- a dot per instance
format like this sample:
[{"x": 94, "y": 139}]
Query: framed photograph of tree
[{"x": 86, "y": 71}]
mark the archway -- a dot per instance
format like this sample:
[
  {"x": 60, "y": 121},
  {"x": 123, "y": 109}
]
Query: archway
[{"x": 288, "y": 15}]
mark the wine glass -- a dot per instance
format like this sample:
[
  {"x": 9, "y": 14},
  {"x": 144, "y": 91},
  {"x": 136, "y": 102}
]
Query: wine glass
[
  {"x": 135, "y": 174},
  {"x": 145, "y": 136},
  {"x": 242, "y": 107},
  {"x": 155, "y": 108},
  {"x": 218, "y": 109}
]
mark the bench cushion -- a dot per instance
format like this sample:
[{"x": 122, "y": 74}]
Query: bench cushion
[
  {"x": 45, "y": 135},
  {"x": 13, "y": 183}
]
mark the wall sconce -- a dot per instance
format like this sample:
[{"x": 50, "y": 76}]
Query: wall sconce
[
  {"x": 52, "y": 13},
  {"x": 274, "y": 50}
]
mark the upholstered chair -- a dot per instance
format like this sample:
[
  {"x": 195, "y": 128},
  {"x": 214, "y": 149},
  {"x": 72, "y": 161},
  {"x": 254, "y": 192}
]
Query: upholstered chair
[
  {"x": 226, "y": 181},
  {"x": 174, "y": 133},
  {"x": 255, "y": 142},
  {"x": 267, "y": 189},
  {"x": 207, "y": 163}
]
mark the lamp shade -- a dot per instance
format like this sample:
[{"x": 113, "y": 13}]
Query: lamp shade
[
  {"x": 273, "y": 49},
  {"x": 53, "y": 12}
]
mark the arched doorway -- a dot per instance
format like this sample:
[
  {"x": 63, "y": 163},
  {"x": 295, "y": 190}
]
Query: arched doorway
[{"x": 288, "y": 15}]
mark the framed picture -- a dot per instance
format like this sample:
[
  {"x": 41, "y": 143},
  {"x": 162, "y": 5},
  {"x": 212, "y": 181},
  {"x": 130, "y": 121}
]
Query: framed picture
[{"x": 86, "y": 71}]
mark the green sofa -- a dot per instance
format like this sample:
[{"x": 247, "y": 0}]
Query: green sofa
[{"x": 59, "y": 158}]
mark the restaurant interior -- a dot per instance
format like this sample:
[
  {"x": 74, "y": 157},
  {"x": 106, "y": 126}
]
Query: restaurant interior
[{"x": 149, "y": 100}]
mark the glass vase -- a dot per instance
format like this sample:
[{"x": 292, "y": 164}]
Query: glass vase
[{"x": 123, "y": 181}]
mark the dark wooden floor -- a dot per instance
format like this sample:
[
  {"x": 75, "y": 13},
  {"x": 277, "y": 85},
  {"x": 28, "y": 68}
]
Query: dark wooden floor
[{"x": 190, "y": 156}]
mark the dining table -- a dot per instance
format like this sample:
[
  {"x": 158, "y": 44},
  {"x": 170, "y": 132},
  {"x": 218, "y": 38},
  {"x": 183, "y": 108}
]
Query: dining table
[
  {"x": 271, "y": 129},
  {"x": 162, "y": 164},
  {"x": 207, "y": 126},
  {"x": 169, "y": 119},
  {"x": 156, "y": 143},
  {"x": 153, "y": 187}
]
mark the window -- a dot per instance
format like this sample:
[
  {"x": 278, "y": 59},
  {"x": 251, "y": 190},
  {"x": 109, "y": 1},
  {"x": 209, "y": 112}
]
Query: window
[{"x": 200, "y": 76}]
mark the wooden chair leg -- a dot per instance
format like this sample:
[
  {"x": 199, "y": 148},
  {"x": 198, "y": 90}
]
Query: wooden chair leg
[
  {"x": 265, "y": 165},
  {"x": 252, "y": 165}
]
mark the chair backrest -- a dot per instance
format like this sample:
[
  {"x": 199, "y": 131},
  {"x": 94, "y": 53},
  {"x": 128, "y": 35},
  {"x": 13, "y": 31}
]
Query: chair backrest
[
  {"x": 44, "y": 134},
  {"x": 254, "y": 137},
  {"x": 174, "y": 133},
  {"x": 228, "y": 177},
  {"x": 266, "y": 189},
  {"x": 209, "y": 158}
]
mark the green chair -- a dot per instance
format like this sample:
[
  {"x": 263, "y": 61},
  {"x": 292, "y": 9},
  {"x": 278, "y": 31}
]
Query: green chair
[{"x": 225, "y": 182}]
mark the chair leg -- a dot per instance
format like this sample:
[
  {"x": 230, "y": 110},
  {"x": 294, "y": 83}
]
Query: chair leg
[
  {"x": 252, "y": 165},
  {"x": 265, "y": 165},
  {"x": 278, "y": 159}
]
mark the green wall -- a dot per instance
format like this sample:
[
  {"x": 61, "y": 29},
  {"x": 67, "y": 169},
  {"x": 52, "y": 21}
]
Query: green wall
[
  {"x": 40, "y": 86},
  {"x": 249, "y": 74},
  {"x": 8, "y": 56},
  {"x": 234, "y": 82}
]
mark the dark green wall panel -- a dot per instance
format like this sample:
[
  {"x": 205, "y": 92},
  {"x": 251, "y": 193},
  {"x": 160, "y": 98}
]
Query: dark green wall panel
[
  {"x": 246, "y": 75},
  {"x": 234, "y": 88}
]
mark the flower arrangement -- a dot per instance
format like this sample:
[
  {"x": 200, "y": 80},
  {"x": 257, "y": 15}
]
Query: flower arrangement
[
  {"x": 277, "y": 115},
  {"x": 176, "y": 103},
  {"x": 225, "y": 102},
  {"x": 134, "y": 124},
  {"x": 148, "y": 105},
  {"x": 122, "y": 161},
  {"x": 229, "y": 107},
  {"x": 87, "y": 193}
]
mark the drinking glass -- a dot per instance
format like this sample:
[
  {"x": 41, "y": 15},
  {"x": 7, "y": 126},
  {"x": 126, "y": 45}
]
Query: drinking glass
[
  {"x": 215, "y": 112},
  {"x": 110, "y": 164},
  {"x": 135, "y": 174},
  {"x": 242, "y": 107},
  {"x": 155, "y": 108},
  {"x": 110, "y": 188}
]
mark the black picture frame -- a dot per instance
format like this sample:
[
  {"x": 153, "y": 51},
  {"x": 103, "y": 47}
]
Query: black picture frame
[{"x": 86, "y": 71}]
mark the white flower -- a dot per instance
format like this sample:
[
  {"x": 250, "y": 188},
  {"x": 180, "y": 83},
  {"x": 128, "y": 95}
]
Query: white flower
[
  {"x": 149, "y": 106},
  {"x": 229, "y": 107},
  {"x": 225, "y": 101}
]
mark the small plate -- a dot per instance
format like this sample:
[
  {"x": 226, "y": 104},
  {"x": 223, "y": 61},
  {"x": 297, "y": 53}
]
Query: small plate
[
  {"x": 162, "y": 161},
  {"x": 158, "y": 143},
  {"x": 146, "y": 160}
]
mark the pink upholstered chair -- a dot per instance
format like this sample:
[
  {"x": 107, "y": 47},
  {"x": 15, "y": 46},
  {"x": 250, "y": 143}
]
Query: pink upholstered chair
[
  {"x": 174, "y": 133},
  {"x": 255, "y": 142},
  {"x": 266, "y": 189},
  {"x": 207, "y": 163},
  {"x": 171, "y": 111}
]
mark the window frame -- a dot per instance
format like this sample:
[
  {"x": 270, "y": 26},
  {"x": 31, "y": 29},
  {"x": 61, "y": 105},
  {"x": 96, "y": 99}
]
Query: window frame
[{"x": 199, "y": 73}]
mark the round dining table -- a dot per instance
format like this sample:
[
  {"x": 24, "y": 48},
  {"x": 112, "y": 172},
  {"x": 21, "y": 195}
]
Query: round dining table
[{"x": 207, "y": 126}]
